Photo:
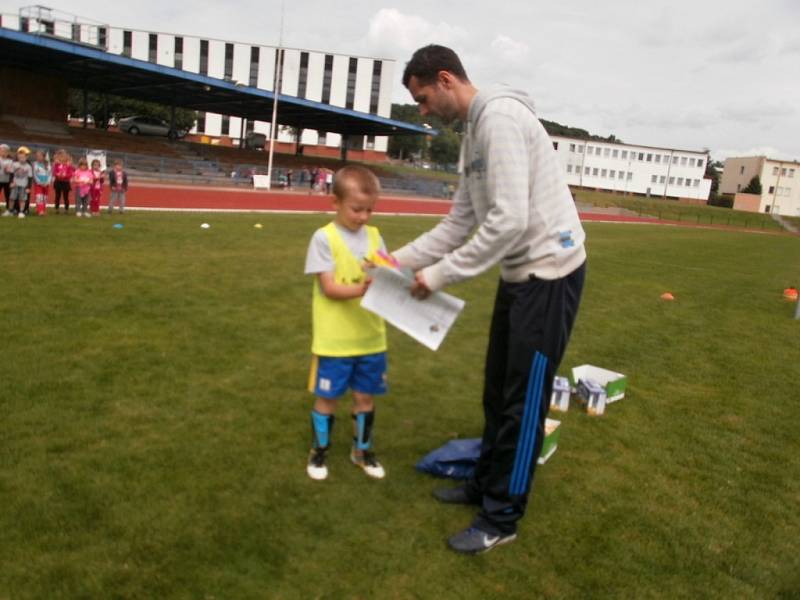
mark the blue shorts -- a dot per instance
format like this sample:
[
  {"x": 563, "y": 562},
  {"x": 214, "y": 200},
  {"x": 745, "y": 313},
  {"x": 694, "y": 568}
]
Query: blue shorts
[{"x": 332, "y": 375}]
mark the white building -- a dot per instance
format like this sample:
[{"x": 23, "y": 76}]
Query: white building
[
  {"x": 613, "y": 166},
  {"x": 359, "y": 83},
  {"x": 780, "y": 192}
]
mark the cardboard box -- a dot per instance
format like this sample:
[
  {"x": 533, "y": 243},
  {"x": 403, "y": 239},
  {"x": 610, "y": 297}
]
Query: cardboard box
[
  {"x": 559, "y": 399},
  {"x": 612, "y": 382},
  {"x": 551, "y": 431},
  {"x": 593, "y": 395}
]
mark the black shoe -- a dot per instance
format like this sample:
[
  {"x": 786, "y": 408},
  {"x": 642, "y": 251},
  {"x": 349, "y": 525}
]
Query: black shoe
[
  {"x": 456, "y": 495},
  {"x": 475, "y": 541}
]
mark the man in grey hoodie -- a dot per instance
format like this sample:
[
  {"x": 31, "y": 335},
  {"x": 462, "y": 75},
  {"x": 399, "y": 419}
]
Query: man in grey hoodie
[{"x": 512, "y": 207}]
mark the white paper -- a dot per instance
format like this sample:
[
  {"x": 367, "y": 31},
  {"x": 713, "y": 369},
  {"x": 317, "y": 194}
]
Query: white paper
[{"x": 427, "y": 321}]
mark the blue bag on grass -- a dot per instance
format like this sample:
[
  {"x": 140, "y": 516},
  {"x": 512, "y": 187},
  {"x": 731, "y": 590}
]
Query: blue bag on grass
[{"x": 456, "y": 459}]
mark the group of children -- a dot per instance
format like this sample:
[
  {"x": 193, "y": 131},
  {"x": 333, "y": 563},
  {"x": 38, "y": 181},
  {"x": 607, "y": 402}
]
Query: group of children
[{"x": 21, "y": 181}]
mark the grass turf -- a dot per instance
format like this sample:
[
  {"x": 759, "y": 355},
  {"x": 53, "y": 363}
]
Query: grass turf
[{"x": 155, "y": 424}]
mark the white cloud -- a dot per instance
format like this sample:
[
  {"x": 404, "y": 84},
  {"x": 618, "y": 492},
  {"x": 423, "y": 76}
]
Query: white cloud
[
  {"x": 509, "y": 50},
  {"x": 392, "y": 33}
]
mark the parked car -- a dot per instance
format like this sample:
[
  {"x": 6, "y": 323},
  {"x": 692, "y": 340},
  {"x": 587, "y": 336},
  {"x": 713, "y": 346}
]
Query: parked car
[{"x": 148, "y": 126}]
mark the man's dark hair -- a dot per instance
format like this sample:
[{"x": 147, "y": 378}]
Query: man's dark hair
[{"x": 426, "y": 63}]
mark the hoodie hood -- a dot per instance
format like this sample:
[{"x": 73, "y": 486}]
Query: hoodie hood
[{"x": 483, "y": 97}]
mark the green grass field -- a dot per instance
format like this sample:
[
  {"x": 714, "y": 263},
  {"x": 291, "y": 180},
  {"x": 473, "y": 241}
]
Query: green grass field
[
  {"x": 672, "y": 210},
  {"x": 155, "y": 424}
]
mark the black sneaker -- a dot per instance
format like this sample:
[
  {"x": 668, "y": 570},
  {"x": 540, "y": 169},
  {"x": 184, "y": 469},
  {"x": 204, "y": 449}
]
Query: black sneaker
[
  {"x": 367, "y": 461},
  {"x": 316, "y": 468},
  {"x": 475, "y": 541},
  {"x": 456, "y": 495}
]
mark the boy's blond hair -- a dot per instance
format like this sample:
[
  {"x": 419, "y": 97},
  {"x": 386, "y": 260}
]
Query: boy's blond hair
[{"x": 355, "y": 177}]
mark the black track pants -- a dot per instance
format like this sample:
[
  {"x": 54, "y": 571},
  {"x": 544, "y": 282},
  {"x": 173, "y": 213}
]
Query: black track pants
[{"x": 531, "y": 325}]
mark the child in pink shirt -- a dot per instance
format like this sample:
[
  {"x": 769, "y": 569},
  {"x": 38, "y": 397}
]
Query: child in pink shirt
[{"x": 83, "y": 179}]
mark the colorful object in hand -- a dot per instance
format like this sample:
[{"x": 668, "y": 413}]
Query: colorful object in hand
[
  {"x": 381, "y": 259},
  {"x": 790, "y": 294}
]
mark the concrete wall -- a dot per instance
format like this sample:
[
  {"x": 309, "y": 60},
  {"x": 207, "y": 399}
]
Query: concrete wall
[{"x": 748, "y": 202}]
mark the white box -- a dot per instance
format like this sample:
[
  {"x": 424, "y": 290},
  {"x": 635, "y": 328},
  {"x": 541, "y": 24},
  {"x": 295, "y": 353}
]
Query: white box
[
  {"x": 559, "y": 399},
  {"x": 593, "y": 394}
]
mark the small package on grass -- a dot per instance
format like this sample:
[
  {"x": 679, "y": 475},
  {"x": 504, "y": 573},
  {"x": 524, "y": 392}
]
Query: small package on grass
[
  {"x": 559, "y": 399},
  {"x": 593, "y": 395},
  {"x": 612, "y": 382},
  {"x": 550, "y": 443}
]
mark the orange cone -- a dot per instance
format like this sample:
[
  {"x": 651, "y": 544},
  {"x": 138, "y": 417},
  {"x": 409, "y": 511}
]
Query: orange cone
[
  {"x": 790, "y": 294},
  {"x": 667, "y": 296}
]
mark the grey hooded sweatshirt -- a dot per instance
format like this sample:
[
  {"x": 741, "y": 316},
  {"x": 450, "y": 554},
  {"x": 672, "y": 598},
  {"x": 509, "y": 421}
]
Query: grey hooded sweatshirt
[{"x": 512, "y": 205}]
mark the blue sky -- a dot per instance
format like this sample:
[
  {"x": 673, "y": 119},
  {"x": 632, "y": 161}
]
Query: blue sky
[{"x": 715, "y": 74}]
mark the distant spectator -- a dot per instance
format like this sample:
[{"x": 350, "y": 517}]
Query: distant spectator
[
  {"x": 63, "y": 170},
  {"x": 22, "y": 174},
  {"x": 118, "y": 182},
  {"x": 98, "y": 179},
  {"x": 289, "y": 174},
  {"x": 83, "y": 179},
  {"x": 41, "y": 182},
  {"x": 313, "y": 179},
  {"x": 5, "y": 175},
  {"x": 328, "y": 181}
]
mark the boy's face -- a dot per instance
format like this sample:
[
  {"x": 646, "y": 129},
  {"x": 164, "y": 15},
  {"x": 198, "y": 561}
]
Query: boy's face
[
  {"x": 22, "y": 157},
  {"x": 354, "y": 210}
]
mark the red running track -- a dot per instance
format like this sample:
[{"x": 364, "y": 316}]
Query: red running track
[{"x": 174, "y": 197}]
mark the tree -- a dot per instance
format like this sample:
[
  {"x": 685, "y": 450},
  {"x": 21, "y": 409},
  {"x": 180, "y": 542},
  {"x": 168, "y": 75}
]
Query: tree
[
  {"x": 444, "y": 147},
  {"x": 713, "y": 174},
  {"x": 754, "y": 187}
]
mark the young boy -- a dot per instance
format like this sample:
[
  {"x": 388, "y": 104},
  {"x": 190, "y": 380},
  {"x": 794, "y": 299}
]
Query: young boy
[
  {"x": 22, "y": 174},
  {"x": 349, "y": 343}
]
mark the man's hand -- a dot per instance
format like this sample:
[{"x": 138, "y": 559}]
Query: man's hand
[{"x": 420, "y": 289}]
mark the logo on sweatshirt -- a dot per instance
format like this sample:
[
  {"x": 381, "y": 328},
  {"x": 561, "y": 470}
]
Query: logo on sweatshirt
[
  {"x": 477, "y": 166},
  {"x": 565, "y": 239}
]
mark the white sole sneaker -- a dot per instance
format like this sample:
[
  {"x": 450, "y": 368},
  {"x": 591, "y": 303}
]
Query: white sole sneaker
[
  {"x": 375, "y": 471},
  {"x": 317, "y": 473}
]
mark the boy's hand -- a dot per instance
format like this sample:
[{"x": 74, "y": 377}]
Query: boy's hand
[{"x": 420, "y": 289}]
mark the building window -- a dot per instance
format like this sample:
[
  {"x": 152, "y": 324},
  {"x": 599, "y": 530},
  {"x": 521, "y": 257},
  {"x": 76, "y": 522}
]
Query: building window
[
  {"x": 555, "y": 145},
  {"x": 152, "y": 48},
  {"x": 201, "y": 122},
  {"x": 594, "y": 172},
  {"x": 741, "y": 170},
  {"x": 255, "y": 58},
  {"x": 24, "y": 24},
  {"x": 322, "y": 137},
  {"x": 569, "y": 168},
  {"x": 352, "y": 70},
  {"x": 791, "y": 173},
  {"x": 621, "y": 175},
  {"x": 76, "y": 32},
  {"x": 580, "y": 149},
  {"x": 630, "y": 175},
  {"x": 688, "y": 182},
  {"x": 696, "y": 183},
  {"x": 654, "y": 179},
  {"x": 641, "y": 156},
  {"x": 370, "y": 142},
  {"x": 662, "y": 179},
  {"x": 672, "y": 181},
  {"x": 691, "y": 162},
  {"x": 604, "y": 173},
  {"x": 589, "y": 149},
  {"x": 774, "y": 170},
  {"x": 615, "y": 153},
  {"x": 572, "y": 147},
  {"x": 649, "y": 158},
  {"x": 375, "y": 90},
  {"x": 598, "y": 150},
  {"x": 700, "y": 163},
  {"x": 783, "y": 172},
  {"x": 658, "y": 158},
  {"x": 683, "y": 161},
  {"x": 738, "y": 187},
  {"x": 302, "y": 81},
  {"x": 102, "y": 37},
  {"x": 179, "y": 53},
  {"x": 612, "y": 173},
  {"x": 606, "y": 151},
  {"x": 771, "y": 189},
  {"x": 326, "y": 81},
  {"x": 203, "y": 57},
  {"x": 680, "y": 180},
  {"x": 226, "y": 125},
  {"x": 228, "y": 61},
  {"x": 127, "y": 42},
  {"x": 586, "y": 170},
  {"x": 675, "y": 160},
  {"x": 624, "y": 154}
]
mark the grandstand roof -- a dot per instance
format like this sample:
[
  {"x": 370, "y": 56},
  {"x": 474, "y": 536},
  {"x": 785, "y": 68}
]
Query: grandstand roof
[{"x": 85, "y": 66}]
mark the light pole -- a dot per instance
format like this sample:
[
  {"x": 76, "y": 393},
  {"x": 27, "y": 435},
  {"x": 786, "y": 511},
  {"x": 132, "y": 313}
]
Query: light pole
[{"x": 276, "y": 91}]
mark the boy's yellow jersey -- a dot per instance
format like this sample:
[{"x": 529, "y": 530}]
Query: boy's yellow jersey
[{"x": 342, "y": 327}]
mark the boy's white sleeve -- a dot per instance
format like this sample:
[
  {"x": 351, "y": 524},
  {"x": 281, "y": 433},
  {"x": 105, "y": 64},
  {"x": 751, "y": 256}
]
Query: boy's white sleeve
[
  {"x": 449, "y": 234},
  {"x": 319, "y": 258}
]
